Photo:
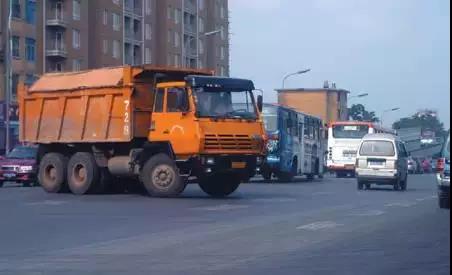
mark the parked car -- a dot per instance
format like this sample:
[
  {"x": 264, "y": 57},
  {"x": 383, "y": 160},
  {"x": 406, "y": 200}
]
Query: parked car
[
  {"x": 382, "y": 160},
  {"x": 443, "y": 176},
  {"x": 413, "y": 166},
  {"x": 19, "y": 166}
]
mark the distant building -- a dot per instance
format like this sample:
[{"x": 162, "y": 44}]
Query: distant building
[
  {"x": 330, "y": 104},
  {"x": 73, "y": 35}
]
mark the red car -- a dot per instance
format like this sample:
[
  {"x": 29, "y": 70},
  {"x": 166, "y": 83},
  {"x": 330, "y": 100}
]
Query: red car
[{"x": 19, "y": 166}]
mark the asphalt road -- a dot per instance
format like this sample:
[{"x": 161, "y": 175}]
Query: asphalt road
[{"x": 301, "y": 228}]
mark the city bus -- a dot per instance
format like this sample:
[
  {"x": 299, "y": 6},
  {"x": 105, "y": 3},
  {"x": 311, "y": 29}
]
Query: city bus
[
  {"x": 296, "y": 144},
  {"x": 343, "y": 142}
]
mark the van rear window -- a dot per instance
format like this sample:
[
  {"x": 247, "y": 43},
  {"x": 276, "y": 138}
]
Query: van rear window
[{"x": 377, "y": 149}]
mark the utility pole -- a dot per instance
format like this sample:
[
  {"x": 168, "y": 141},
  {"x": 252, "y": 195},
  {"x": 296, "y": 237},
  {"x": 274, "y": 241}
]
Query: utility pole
[{"x": 8, "y": 90}]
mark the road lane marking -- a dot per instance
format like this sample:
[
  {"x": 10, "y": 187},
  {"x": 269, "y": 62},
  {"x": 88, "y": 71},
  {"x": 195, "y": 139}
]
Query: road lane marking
[
  {"x": 400, "y": 204},
  {"x": 47, "y": 202},
  {"x": 275, "y": 200},
  {"x": 370, "y": 213},
  {"x": 319, "y": 226},
  {"x": 222, "y": 207},
  {"x": 427, "y": 198},
  {"x": 322, "y": 193}
]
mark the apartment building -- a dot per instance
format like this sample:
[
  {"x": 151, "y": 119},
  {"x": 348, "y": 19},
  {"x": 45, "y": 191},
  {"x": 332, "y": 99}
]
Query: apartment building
[{"x": 72, "y": 35}]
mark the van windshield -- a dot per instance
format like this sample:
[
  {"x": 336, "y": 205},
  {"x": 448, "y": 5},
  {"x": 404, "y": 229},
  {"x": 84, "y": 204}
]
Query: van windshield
[{"x": 377, "y": 149}]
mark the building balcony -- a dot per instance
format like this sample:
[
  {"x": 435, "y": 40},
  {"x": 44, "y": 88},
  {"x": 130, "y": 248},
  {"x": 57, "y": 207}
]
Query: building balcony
[
  {"x": 57, "y": 21},
  {"x": 190, "y": 7},
  {"x": 57, "y": 51}
]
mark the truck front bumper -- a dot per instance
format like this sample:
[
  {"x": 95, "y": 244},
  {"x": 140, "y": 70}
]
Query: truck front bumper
[{"x": 244, "y": 165}]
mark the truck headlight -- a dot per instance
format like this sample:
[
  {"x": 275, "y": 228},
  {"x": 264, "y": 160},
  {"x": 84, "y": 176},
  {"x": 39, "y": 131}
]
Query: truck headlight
[
  {"x": 210, "y": 161},
  {"x": 259, "y": 160},
  {"x": 25, "y": 169}
]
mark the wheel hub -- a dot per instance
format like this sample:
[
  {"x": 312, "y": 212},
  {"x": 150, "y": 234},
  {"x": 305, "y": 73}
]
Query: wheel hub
[{"x": 163, "y": 176}]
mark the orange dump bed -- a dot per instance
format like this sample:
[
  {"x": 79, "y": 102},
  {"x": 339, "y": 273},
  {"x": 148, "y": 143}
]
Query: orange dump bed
[{"x": 101, "y": 106}]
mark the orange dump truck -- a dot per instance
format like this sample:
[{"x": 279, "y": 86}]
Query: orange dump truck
[{"x": 159, "y": 126}]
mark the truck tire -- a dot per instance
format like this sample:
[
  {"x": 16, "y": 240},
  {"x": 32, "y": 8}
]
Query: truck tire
[
  {"x": 311, "y": 177},
  {"x": 285, "y": 177},
  {"x": 219, "y": 186},
  {"x": 360, "y": 185},
  {"x": 83, "y": 174},
  {"x": 52, "y": 173},
  {"x": 160, "y": 177},
  {"x": 267, "y": 175}
]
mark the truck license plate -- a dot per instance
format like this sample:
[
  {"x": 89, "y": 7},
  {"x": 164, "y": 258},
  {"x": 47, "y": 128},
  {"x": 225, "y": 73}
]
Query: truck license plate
[
  {"x": 9, "y": 175},
  {"x": 238, "y": 165}
]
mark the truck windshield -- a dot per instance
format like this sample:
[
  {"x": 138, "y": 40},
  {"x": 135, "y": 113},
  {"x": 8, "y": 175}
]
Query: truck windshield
[
  {"x": 22, "y": 153},
  {"x": 350, "y": 131},
  {"x": 215, "y": 103}
]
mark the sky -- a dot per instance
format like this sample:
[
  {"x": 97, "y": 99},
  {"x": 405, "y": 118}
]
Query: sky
[{"x": 398, "y": 51}]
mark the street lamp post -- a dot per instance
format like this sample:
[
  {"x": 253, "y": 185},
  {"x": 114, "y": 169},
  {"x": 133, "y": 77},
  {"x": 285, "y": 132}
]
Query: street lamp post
[
  {"x": 359, "y": 96},
  {"x": 388, "y": 111},
  {"x": 188, "y": 44},
  {"x": 9, "y": 85},
  {"x": 293, "y": 74}
]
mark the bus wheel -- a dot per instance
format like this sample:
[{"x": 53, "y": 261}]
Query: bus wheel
[{"x": 219, "y": 186}]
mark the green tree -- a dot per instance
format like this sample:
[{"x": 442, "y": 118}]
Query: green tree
[
  {"x": 426, "y": 120},
  {"x": 358, "y": 112}
]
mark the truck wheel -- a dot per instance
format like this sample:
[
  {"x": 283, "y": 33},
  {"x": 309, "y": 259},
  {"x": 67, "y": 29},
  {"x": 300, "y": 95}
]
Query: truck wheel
[
  {"x": 311, "y": 177},
  {"x": 83, "y": 174},
  {"x": 360, "y": 185},
  {"x": 267, "y": 174},
  {"x": 285, "y": 177},
  {"x": 52, "y": 173},
  {"x": 219, "y": 186},
  {"x": 161, "y": 178}
]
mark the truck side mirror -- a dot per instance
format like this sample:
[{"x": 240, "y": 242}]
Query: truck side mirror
[{"x": 260, "y": 103}]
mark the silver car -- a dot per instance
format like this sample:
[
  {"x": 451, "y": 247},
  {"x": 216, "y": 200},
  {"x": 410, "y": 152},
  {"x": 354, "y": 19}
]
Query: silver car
[{"x": 382, "y": 160}]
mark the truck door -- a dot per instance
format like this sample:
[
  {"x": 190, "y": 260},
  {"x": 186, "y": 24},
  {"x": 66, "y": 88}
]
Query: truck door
[{"x": 173, "y": 121}]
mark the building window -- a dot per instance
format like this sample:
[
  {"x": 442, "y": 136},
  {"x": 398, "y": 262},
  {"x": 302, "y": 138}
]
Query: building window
[
  {"x": 176, "y": 39},
  {"x": 177, "y": 60},
  {"x": 170, "y": 13},
  {"x": 76, "y": 39},
  {"x": 201, "y": 25},
  {"x": 17, "y": 10},
  {"x": 177, "y": 16},
  {"x": 201, "y": 4},
  {"x": 148, "y": 32},
  {"x": 222, "y": 53},
  {"x": 76, "y": 65},
  {"x": 76, "y": 7},
  {"x": 30, "y": 79},
  {"x": 222, "y": 12},
  {"x": 169, "y": 36},
  {"x": 148, "y": 56},
  {"x": 30, "y": 49},
  {"x": 117, "y": 2},
  {"x": 148, "y": 7},
  {"x": 116, "y": 22},
  {"x": 105, "y": 46},
  {"x": 223, "y": 33},
  {"x": 116, "y": 49},
  {"x": 14, "y": 84},
  {"x": 201, "y": 46},
  {"x": 30, "y": 15},
  {"x": 16, "y": 46},
  {"x": 105, "y": 17}
]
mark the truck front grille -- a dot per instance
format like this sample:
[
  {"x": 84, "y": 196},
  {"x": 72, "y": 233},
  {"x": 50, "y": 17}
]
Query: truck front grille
[{"x": 230, "y": 142}]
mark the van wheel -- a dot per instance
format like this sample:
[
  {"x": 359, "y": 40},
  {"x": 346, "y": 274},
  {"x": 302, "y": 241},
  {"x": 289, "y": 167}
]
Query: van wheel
[
  {"x": 219, "y": 186},
  {"x": 360, "y": 185},
  {"x": 52, "y": 173},
  {"x": 83, "y": 174},
  {"x": 444, "y": 203},
  {"x": 404, "y": 185},
  {"x": 161, "y": 178},
  {"x": 397, "y": 185}
]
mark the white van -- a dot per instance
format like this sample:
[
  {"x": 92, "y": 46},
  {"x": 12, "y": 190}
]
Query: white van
[{"x": 382, "y": 160}]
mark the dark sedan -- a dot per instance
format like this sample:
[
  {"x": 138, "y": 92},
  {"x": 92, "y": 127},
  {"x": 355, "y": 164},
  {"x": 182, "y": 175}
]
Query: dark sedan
[{"x": 19, "y": 166}]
